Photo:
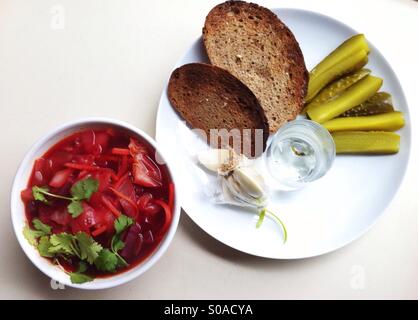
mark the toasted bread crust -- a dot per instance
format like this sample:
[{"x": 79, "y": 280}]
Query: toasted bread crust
[
  {"x": 256, "y": 47},
  {"x": 208, "y": 97}
]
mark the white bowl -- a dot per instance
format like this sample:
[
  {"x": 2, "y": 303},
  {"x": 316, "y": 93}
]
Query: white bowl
[{"x": 18, "y": 210}]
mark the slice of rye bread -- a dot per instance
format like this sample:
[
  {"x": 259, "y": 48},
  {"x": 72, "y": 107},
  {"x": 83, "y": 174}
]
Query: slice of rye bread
[
  {"x": 256, "y": 47},
  {"x": 208, "y": 97}
]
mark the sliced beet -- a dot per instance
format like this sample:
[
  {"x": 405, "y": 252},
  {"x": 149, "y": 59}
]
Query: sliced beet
[{"x": 133, "y": 242}]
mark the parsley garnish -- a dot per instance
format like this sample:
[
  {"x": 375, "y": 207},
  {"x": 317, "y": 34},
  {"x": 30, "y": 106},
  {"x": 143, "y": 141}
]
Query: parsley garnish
[
  {"x": 32, "y": 235},
  {"x": 64, "y": 243},
  {"x": 121, "y": 224},
  {"x": 79, "y": 277},
  {"x": 82, "y": 190},
  {"x": 80, "y": 245},
  {"x": 75, "y": 208},
  {"x": 110, "y": 260},
  {"x": 106, "y": 261},
  {"x": 40, "y": 226},
  {"x": 44, "y": 246},
  {"x": 39, "y": 193},
  {"x": 89, "y": 248},
  {"x": 41, "y": 229}
]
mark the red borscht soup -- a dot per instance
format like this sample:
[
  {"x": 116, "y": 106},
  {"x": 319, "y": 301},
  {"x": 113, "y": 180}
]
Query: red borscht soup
[{"x": 98, "y": 203}]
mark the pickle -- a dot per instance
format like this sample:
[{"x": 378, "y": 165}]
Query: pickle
[
  {"x": 350, "y": 64},
  {"x": 347, "y": 48},
  {"x": 334, "y": 89},
  {"x": 381, "y": 96},
  {"x": 379, "y": 103},
  {"x": 390, "y": 121},
  {"x": 366, "y": 142},
  {"x": 353, "y": 96}
]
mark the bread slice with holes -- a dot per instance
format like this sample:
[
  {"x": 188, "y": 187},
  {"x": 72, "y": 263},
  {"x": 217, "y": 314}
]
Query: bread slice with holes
[
  {"x": 256, "y": 47},
  {"x": 211, "y": 99}
]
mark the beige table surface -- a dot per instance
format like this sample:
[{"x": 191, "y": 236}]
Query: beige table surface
[{"x": 112, "y": 58}]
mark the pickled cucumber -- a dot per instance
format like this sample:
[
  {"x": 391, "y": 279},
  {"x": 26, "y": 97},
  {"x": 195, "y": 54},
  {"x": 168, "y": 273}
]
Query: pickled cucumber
[
  {"x": 379, "y": 103},
  {"x": 334, "y": 89},
  {"x": 381, "y": 96},
  {"x": 366, "y": 142},
  {"x": 347, "y": 48},
  {"x": 353, "y": 96},
  {"x": 349, "y": 64},
  {"x": 390, "y": 121}
]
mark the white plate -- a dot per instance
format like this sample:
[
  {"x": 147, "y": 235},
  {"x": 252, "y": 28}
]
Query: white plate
[{"x": 324, "y": 216}]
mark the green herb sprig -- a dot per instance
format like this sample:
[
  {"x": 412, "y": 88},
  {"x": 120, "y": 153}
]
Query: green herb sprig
[
  {"x": 82, "y": 190},
  {"x": 79, "y": 245}
]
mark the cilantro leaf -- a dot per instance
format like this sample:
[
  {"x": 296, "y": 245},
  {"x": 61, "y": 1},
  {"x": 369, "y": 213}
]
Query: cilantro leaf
[
  {"x": 82, "y": 267},
  {"x": 32, "y": 235},
  {"x": 39, "y": 193},
  {"x": 40, "y": 226},
  {"x": 84, "y": 189},
  {"x": 122, "y": 223},
  {"x": 79, "y": 278},
  {"x": 81, "y": 245},
  {"x": 75, "y": 208},
  {"x": 43, "y": 247},
  {"x": 89, "y": 248},
  {"x": 106, "y": 261},
  {"x": 64, "y": 243},
  {"x": 117, "y": 245},
  {"x": 41, "y": 230}
]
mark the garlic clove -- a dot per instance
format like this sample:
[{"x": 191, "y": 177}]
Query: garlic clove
[
  {"x": 236, "y": 192},
  {"x": 212, "y": 159},
  {"x": 249, "y": 181},
  {"x": 240, "y": 183},
  {"x": 216, "y": 160},
  {"x": 240, "y": 193},
  {"x": 228, "y": 196}
]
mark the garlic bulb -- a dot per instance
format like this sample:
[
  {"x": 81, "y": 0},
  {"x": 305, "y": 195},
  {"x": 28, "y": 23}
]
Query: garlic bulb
[{"x": 239, "y": 182}]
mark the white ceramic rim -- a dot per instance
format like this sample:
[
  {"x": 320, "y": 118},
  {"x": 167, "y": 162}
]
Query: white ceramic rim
[{"x": 55, "y": 272}]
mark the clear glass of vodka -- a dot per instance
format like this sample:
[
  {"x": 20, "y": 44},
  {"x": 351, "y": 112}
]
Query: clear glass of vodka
[{"x": 301, "y": 151}]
